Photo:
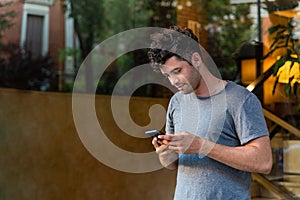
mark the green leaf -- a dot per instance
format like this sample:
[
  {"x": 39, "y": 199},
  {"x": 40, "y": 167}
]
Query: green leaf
[
  {"x": 274, "y": 29},
  {"x": 295, "y": 88},
  {"x": 275, "y": 85},
  {"x": 287, "y": 89},
  {"x": 279, "y": 63},
  {"x": 296, "y": 60},
  {"x": 288, "y": 52}
]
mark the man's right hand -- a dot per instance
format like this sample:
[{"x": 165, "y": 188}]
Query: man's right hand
[{"x": 168, "y": 158}]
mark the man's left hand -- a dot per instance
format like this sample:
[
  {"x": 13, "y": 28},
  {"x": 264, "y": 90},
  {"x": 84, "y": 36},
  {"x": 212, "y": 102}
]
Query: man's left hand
[{"x": 183, "y": 142}]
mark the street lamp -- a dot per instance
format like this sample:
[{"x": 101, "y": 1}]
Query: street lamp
[{"x": 248, "y": 59}]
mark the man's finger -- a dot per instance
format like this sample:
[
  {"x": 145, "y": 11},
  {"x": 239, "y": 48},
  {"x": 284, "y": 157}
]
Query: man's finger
[
  {"x": 166, "y": 137},
  {"x": 162, "y": 148},
  {"x": 154, "y": 143}
]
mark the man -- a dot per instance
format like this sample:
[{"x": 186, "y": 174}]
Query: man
[{"x": 215, "y": 130}]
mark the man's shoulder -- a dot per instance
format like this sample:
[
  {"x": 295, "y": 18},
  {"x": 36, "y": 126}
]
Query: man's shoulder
[
  {"x": 236, "y": 87},
  {"x": 238, "y": 96},
  {"x": 237, "y": 91}
]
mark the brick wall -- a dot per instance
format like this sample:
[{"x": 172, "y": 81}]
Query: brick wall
[
  {"x": 13, "y": 34},
  {"x": 190, "y": 10},
  {"x": 57, "y": 32},
  {"x": 56, "y": 28}
]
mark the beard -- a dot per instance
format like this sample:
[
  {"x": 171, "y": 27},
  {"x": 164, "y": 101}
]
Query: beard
[
  {"x": 192, "y": 85},
  {"x": 186, "y": 88}
]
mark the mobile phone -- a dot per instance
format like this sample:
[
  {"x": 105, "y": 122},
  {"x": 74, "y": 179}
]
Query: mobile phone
[{"x": 154, "y": 133}]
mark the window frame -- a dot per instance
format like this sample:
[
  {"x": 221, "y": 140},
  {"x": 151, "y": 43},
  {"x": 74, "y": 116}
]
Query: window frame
[{"x": 39, "y": 10}]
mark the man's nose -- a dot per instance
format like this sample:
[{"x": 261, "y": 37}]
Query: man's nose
[{"x": 173, "y": 80}]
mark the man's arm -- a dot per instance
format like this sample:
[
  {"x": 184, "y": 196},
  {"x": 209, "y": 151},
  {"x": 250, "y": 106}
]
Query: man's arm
[{"x": 255, "y": 156}]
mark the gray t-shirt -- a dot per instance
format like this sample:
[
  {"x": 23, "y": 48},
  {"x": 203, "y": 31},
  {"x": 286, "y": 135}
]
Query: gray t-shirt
[{"x": 232, "y": 117}]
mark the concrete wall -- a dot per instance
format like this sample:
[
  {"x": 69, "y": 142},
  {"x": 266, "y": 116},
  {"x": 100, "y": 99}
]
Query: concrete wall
[{"x": 42, "y": 156}]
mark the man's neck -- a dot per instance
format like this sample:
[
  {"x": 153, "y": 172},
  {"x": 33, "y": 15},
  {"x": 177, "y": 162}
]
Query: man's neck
[{"x": 210, "y": 86}]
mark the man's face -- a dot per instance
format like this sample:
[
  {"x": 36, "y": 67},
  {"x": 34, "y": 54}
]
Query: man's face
[{"x": 181, "y": 75}]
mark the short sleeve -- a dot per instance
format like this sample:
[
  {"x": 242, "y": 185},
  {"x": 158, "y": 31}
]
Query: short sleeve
[
  {"x": 170, "y": 118},
  {"x": 250, "y": 122}
]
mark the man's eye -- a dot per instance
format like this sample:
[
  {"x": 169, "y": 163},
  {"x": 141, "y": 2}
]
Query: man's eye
[{"x": 177, "y": 71}]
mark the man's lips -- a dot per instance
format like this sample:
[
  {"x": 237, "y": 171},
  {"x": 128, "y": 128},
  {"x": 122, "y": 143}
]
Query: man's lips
[{"x": 179, "y": 86}]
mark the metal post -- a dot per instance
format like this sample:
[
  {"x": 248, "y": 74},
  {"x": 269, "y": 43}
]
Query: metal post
[
  {"x": 259, "y": 51},
  {"x": 259, "y": 20}
]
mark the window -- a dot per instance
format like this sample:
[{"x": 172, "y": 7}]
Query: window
[
  {"x": 35, "y": 29},
  {"x": 34, "y": 34}
]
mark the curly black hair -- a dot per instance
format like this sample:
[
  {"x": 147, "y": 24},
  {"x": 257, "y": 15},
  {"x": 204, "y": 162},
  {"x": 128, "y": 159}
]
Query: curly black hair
[{"x": 175, "y": 41}]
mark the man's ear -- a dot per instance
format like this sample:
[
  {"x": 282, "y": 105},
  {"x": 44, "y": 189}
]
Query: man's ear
[{"x": 196, "y": 60}]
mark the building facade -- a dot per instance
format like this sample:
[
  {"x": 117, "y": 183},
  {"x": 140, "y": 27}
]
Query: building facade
[{"x": 42, "y": 27}]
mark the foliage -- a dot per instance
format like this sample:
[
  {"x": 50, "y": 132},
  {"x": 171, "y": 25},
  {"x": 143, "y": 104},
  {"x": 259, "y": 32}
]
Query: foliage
[
  {"x": 129, "y": 14},
  {"x": 283, "y": 39},
  {"x": 102, "y": 19},
  {"x": 70, "y": 53},
  {"x": 88, "y": 18},
  {"x": 5, "y": 18},
  {"x": 228, "y": 26},
  {"x": 18, "y": 69},
  {"x": 162, "y": 13}
]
